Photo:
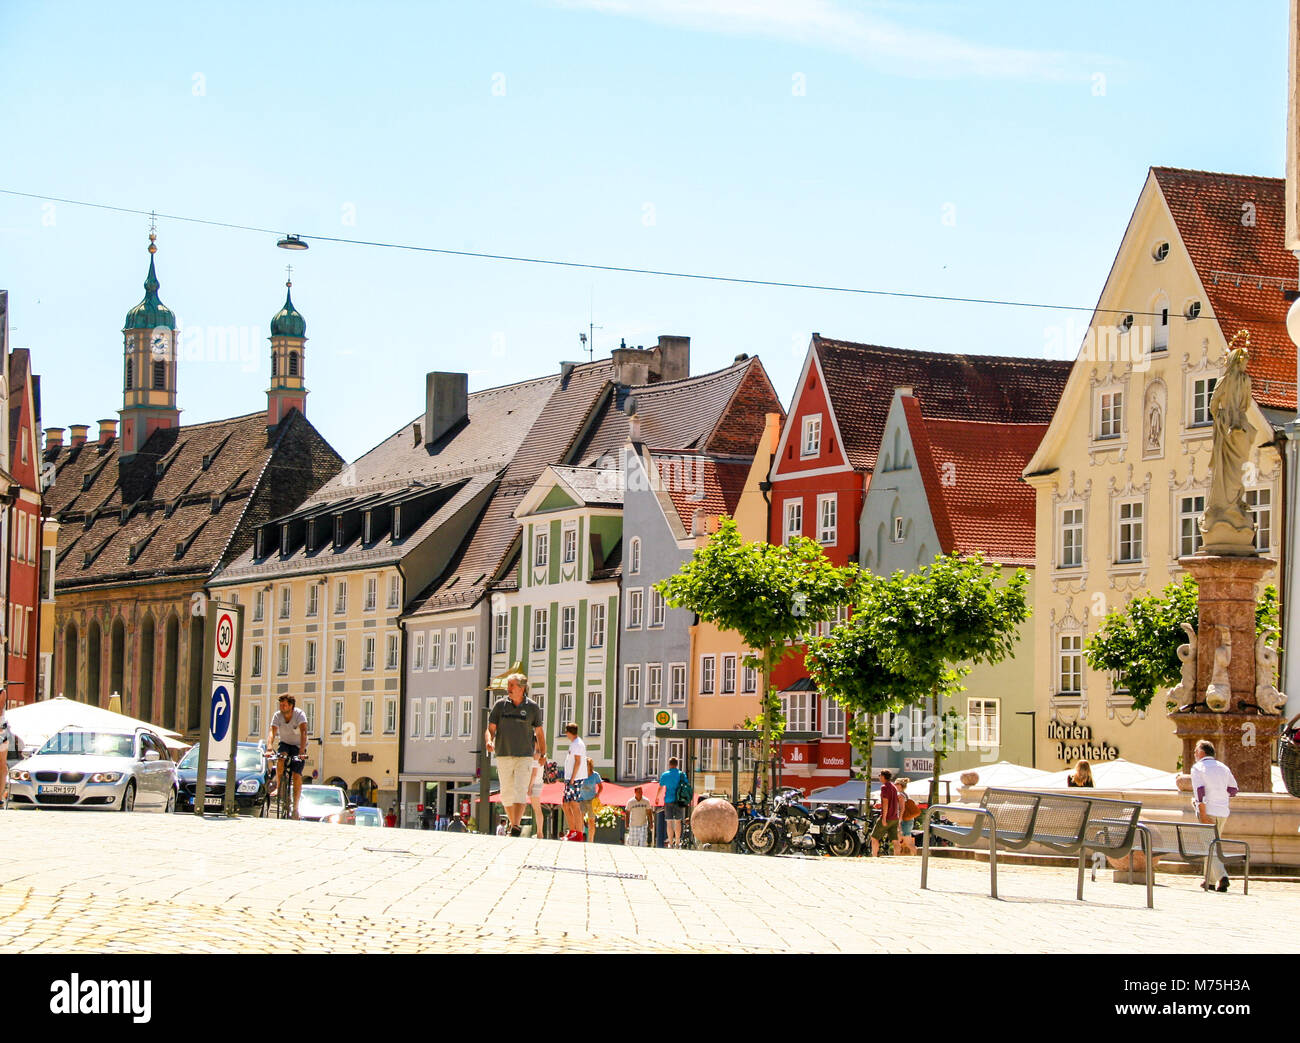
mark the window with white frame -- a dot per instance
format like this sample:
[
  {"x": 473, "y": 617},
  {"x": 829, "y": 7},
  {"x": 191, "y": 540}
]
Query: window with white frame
[
  {"x": 309, "y": 657},
  {"x": 417, "y": 717},
  {"x": 309, "y": 711},
  {"x": 1190, "y": 509},
  {"x": 708, "y": 665},
  {"x": 880, "y": 725},
  {"x": 1071, "y": 537},
  {"x": 597, "y": 625},
  {"x": 259, "y": 606},
  {"x": 394, "y": 591},
  {"x": 453, "y": 641},
  {"x": 983, "y": 722},
  {"x": 1160, "y": 325},
  {"x": 677, "y": 748},
  {"x": 1110, "y": 414},
  {"x": 336, "y": 716},
  {"x": 634, "y": 555},
  {"x": 566, "y": 713},
  {"x": 899, "y": 531},
  {"x": 286, "y": 601},
  {"x": 431, "y": 720},
  {"x": 341, "y": 596},
  {"x": 372, "y": 593},
  {"x": 435, "y": 650},
  {"x": 705, "y": 750},
  {"x": 799, "y": 712},
  {"x": 827, "y": 519},
  {"x": 255, "y": 717},
  {"x": 340, "y": 656},
  {"x": 467, "y": 660},
  {"x": 652, "y": 758},
  {"x": 1260, "y": 502},
  {"x": 630, "y": 759},
  {"x": 635, "y": 608},
  {"x": 654, "y": 684},
  {"x": 282, "y": 659},
  {"x": 1069, "y": 673},
  {"x": 833, "y": 723},
  {"x": 368, "y": 652},
  {"x": 313, "y": 599},
  {"x": 728, "y": 674},
  {"x": 811, "y": 442},
  {"x": 793, "y": 519},
  {"x": 417, "y": 661},
  {"x": 570, "y": 549},
  {"x": 502, "y": 632},
  {"x": 750, "y": 678},
  {"x": 391, "y": 651},
  {"x": 677, "y": 685},
  {"x": 658, "y": 608},
  {"x": 466, "y": 716},
  {"x": 595, "y": 714},
  {"x": 257, "y": 660},
  {"x": 632, "y": 686},
  {"x": 448, "y": 713},
  {"x": 568, "y": 626},
  {"x": 541, "y": 546},
  {"x": 1129, "y": 531},
  {"x": 541, "y": 619},
  {"x": 390, "y": 716},
  {"x": 1202, "y": 391}
]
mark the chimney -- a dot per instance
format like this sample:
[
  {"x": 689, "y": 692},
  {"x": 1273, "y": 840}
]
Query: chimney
[
  {"x": 674, "y": 357},
  {"x": 446, "y": 403},
  {"x": 78, "y": 434},
  {"x": 903, "y": 391},
  {"x": 107, "y": 431},
  {"x": 54, "y": 438},
  {"x": 566, "y": 371}
]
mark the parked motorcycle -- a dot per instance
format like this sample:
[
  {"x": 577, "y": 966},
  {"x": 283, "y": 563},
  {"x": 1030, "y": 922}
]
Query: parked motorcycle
[{"x": 791, "y": 826}]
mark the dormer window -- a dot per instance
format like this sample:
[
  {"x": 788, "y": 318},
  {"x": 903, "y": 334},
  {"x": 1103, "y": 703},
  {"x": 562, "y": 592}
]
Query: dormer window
[
  {"x": 368, "y": 533},
  {"x": 338, "y": 531},
  {"x": 284, "y": 540},
  {"x": 261, "y": 543},
  {"x": 397, "y": 523}
]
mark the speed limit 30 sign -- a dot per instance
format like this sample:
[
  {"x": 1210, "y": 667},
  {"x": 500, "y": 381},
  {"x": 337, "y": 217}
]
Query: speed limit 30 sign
[{"x": 223, "y": 653}]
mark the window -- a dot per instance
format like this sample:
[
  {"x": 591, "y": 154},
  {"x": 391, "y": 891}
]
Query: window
[
  {"x": 635, "y": 608},
  {"x": 502, "y": 632},
  {"x": 634, "y": 556},
  {"x": 827, "y": 514},
  {"x": 1072, "y": 538},
  {"x": 466, "y": 716},
  {"x": 1130, "y": 531},
  {"x": 658, "y": 608},
  {"x": 632, "y": 690},
  {"x": 706, "y": 751},
  {"x": 597, "y": 626},
  {"x": 1260, "y": 502},
  {"x": 1190, "y": 509},
  {"x": 391, "y": 652},
  {"x": 541, "y": 618},
  {"x": 339, "y": 655},
  {"x": 566, "y": 713},
  {"x": 1160, "y": 251},
  {"x": 313, "y": 600},
  {"x": 899, "y": 530},
  {"x": 160, "y": 376},
  {"x": 453, "y": 637},
  {"x": 448, "y": 710},
  {"x": 654, "y": 684},
  {"x": 798, "y": 707},
  {"x": 652, "y": 758},
  {"x": 880, "y": 726},
  {"x": 309, "y": 659},
  {"x": 750, "y": 682},
  {"x": 257, "y": 660},
  {"x": 629, "y": 759},
  {"x": 677, "y": 748},
  {"x": 431, "y": 722},
  {"x": 568, "y": 626},
  {"x": 435, "y": 650},
  {"x": 832, "y": 719},
  {"x": 982, "y": 722},
  {"x": 793, "y": 519},
  {"x": 677, "y": 685},
  {"x": 255, "y": 718},
  {"x": 394, "y": 592},
  {"x": 468, "y": 660},
  {"x": 309, "y": 711},
  {"x": 728, "y": 675},
  {"x": 372, "y": 593},
  {"x": 286, "y": 598},
  {"x": 336, "y": 716},
  {"x": 1110, "y": 417},
  {"x": 130, "y": 374},
  {"x": 341, "y": 596},
  {"x": 417, "y": 715},
  {"x": 293, "y": 363},
  {"x": 418, "y": 663},
  {"x": 1202, "y": 391},
  {"x": 570, "y": 550},
  {"x": 811, "y": 443},
  {"x": 541, "y": 544},
  {"x": 282, "y": 659},
  {"x": 1070, "y": 664},
  {"x": 259, "y": 606},
  {"x": 368, "y": 652},
  {"x": 390, "y": 716},
  {"x": 707, "y": 666}
]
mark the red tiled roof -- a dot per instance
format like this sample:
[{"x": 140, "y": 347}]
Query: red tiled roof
[
  {"x": 861, "y": 378},
  {"x": 1244, "y": 267},
  {"x": 971, "y": 470},
  {"x": 715, "y": 485}
]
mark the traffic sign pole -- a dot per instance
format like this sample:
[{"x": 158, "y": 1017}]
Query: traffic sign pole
[
  {"x": 231, "y": 767},
  {"x": 201, "y": 780}
]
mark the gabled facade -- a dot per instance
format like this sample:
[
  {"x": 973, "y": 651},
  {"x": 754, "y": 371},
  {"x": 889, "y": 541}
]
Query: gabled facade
[
  {"x": 1122, "y": 474},
  {"x": 23, "y": 582}
]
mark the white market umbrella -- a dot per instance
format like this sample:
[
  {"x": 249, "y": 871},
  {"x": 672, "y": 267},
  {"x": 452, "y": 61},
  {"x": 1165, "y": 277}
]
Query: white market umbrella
[
  {"x": 1001, "y": 775},
  {"x": 1118, "y": 774},
  {"x": 36, "y": 722}
]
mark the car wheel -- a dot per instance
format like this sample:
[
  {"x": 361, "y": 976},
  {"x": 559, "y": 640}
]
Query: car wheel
[
  {"x": 262, "y": 808},
  {"x": 171, "y": 801},
  {"x": 128, "y": 798}
]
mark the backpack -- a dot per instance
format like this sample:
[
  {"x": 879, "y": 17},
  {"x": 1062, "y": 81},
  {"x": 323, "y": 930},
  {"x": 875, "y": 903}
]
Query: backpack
[
  {"x": 684, "y": 790},
  {"x": 551, "y": 773},
  {"x": 588, "y": 786}
]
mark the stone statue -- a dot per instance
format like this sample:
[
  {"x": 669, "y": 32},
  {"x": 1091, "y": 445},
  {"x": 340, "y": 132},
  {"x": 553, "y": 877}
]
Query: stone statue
[
  {"x": 1218, "y": 693},
  {"x": 1267, "y": 697},
  {"x": 1227, "y": 526},
  {"x": 1155, "y": 427},
  {"x": 1186, "y": 689}
]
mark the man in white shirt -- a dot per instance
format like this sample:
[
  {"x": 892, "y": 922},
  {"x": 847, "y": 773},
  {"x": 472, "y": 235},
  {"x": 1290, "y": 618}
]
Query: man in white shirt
[
  {"x": 1214, "y": 784},
  {"x": 638, "y": 820},
  {"x": 575, "y": 770}
]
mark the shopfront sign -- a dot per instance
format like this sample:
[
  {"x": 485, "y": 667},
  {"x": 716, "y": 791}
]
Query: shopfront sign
[{"x": 1075, "y": 742}]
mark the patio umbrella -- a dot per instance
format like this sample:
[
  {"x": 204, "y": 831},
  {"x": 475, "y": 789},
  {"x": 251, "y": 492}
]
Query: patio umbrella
[
  {"x": 36, "y": 722},
  {"x": 1118, "y": 774}
]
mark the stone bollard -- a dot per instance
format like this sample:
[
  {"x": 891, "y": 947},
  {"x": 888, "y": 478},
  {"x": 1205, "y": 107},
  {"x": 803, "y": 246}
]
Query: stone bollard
[{"x": 714, "y": 822}]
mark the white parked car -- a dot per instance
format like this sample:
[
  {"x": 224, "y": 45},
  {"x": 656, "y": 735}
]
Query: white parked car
[{"x": 96, "y": 770}]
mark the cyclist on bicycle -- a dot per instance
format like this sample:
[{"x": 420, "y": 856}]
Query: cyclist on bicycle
[{"x": 290, "y": 726}]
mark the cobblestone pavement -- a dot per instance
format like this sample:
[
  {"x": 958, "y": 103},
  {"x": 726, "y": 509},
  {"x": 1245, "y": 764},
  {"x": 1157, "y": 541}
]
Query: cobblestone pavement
[{"x": 152, "y": 883}]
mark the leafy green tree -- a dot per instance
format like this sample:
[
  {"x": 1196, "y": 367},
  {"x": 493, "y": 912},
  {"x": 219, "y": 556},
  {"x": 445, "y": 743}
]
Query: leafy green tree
[
  {"x": 1139, "y": 642},
  {"x": 770, "y": 595}
]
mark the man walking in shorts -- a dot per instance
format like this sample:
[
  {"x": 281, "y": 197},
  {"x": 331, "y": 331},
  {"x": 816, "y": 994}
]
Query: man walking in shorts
[
  {"x": 638, "y": 819},
  {"x": 674, "y": 813},
  {"x": 891, "y": 813},
  {"x": 515, "y": 727}
]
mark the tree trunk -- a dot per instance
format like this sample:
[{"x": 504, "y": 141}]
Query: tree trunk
[
  {"x": 766, "y": 767},
  {"x": 935, "y": 702}
]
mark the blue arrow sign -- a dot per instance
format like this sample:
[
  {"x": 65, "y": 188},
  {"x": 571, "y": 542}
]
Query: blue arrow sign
[{"x": 219, "y": 727}]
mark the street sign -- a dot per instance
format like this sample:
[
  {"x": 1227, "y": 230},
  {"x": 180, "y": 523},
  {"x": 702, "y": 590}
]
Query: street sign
[
  {"x": 221, "y": 632},
  {"x": 223, "y": 655},
  {"x": 220, "y": 721}
]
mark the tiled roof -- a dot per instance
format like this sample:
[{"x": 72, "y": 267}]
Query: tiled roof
[
  {"x": 569, "y": 412},
  {"x": 1243, "y": 266},
  {"x": 701, "y": 483},
  {"x": 596, "y": 486},
  {"x": 972, "y": 474},
  {"x": 185, "y": 503},
  {"x": 861, "y": 378}
]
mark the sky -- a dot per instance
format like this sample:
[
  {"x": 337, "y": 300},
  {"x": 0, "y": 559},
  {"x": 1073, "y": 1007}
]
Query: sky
[{"x": 987, "y": 150}]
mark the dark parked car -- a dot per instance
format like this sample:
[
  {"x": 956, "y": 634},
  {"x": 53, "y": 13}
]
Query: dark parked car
[{"x": 250, "y": 786}]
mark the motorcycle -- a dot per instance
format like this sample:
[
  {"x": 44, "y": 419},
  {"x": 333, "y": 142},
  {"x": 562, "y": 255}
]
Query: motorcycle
[{"x": 792, "y": 827}]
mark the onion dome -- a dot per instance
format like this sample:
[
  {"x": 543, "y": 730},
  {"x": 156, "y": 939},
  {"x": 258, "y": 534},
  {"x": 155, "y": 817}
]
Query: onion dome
[
  {"x": 150, "y": 313},
  {"x": 288, "y": 321}
]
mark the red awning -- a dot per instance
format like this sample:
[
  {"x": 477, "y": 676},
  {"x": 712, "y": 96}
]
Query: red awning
[{"x": 618, "y": 796}]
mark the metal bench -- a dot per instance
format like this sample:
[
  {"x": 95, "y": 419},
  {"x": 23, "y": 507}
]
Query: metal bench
[
  {"x": 1014, "y": 819},
  {"x": 1193, "y": 842}
]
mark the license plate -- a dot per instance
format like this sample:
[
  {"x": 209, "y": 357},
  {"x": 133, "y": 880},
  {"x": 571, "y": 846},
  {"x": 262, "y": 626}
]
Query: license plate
[
  {"x": 52, "y": 790},
  {"x": 214, "y": 802}
]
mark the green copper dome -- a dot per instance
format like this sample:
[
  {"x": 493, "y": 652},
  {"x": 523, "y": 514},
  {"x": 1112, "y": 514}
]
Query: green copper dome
[
  {"x": 288, "y": 321},
  {"x": 150, "y": 313}
]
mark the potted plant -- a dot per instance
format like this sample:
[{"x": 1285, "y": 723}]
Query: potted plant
[{"x": 609, "y": 824}]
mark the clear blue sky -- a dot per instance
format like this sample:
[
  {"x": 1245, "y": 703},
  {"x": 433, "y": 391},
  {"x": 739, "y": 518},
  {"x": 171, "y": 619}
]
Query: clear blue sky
[{"x": 989, "y": 150}]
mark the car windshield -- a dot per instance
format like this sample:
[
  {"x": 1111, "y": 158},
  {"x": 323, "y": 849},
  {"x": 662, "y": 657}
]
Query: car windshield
[
  {"x": 248, "y": 759},
  {"x": 322, "y": 797},
  {"x": 94, "y": 744},
  {"x": 367, "y": 817}
]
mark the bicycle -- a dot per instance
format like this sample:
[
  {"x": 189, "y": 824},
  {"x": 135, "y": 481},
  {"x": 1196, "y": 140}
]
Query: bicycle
[{"x": 284, "y": 796}]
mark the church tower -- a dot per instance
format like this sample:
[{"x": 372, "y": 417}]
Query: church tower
[
  {"x": 288, "y": 389},
  {"x": 149, "y": 380}
]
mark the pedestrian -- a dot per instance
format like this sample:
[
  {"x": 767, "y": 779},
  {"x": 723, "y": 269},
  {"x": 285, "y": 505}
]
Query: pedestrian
[
  {"x": 674, "y": 813},
  {"x": 590, "y": 799},
  {"x": 535, "y": 783},
  {"x": 891, "y": 813},
  {"x": 517, "y": 722},
  {"x": 456, "y": 825},
  {"x": 575, "y": 770},
  {"x": 638, "y": 819},
  {"x": 911, "y": 811},
  {"x": 426, "y": 817},
  {"x": 503, "y": 827},
  {"x": 1214, "y": 785},
  {"x": 390, "y": 819},
  {"x": 1081, "y": 776}
]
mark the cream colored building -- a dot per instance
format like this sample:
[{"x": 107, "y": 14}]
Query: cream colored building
[{"x": 1122, "y": 473}]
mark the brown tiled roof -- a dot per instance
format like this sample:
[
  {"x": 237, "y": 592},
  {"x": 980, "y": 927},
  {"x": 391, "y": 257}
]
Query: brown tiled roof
[
  {"x": 185, "y": 504},
  {"x": 564, "y": 420},
  {"x": 972, "y": 474},
  {"x": 861, "y": 378},
  {"x": 1243, "y": 266},
  {"x": 714, "y": 487}
]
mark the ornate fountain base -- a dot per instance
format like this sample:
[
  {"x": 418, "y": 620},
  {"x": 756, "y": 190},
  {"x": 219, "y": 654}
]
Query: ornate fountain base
[{"x": 1243, "y": 741}]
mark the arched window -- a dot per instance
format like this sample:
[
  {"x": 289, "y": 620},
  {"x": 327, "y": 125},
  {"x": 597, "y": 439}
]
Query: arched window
[
  {"x": 160, "y": 376},
  {"x": 635, "y": 564},
  {"x": 293, "y": 363},
  {"x": 130, "y": 373},
  {"x": 275, "y": 365}
]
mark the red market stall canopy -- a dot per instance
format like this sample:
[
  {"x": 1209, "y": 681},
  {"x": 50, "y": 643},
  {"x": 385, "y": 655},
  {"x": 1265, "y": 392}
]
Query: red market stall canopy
[{"x": 618, "y": 796}]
